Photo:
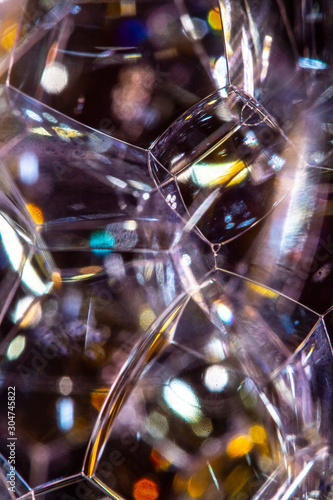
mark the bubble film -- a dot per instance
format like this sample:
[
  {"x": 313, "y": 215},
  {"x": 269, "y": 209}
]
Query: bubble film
[{"x": 166, "y": 251}]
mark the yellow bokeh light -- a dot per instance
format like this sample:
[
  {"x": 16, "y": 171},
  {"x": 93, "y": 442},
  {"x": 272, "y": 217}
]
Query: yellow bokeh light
[
  {"x": 240, "y": 177},
  {"x": 35, "y": 213},
  {"x": 40, "y": 131},
  {"x": 8, "y": 34},
  {"x": 239, "y": 446},
  {"x": 210, "y": 175},
  {"x": 32, "y": 316},
  {"x": 197, "y": 485},
  {"x": 56, "y": 278},
  {"x": 263, "y": 291},
  {"x": 147, "y": 316},
  {"x": 67, "y": 133},
  {"x": 214, "y": 19},
  {"x": 145, "y": 489},
  {"x": 127, "y": 8},
  {"x": 258, "y": 434}
]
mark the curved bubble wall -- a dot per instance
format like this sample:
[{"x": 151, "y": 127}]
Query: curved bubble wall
[{"x": 166, "y": 250}]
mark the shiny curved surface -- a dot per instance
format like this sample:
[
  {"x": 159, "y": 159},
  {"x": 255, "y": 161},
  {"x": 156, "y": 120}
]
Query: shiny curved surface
[{"x": 166, "y": 302}]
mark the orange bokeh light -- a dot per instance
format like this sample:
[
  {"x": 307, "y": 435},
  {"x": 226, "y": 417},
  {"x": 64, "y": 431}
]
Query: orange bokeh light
[
  {"x": 35, "y": 213},
  {"x": 56, "y": 278},
  {"x": 145, "y": 489},
  {"x": 98, "y": 397},
  {"x": 159, "y": 462}
]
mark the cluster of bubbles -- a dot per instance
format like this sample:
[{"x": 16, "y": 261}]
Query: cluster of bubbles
[{"x": 166, "y": 254}]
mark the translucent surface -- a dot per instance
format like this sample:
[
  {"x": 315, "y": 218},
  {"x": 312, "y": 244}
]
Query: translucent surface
[
  {"x": 166, "y": 302},
  {"x": 147, "y": 65},
  {"x": 229, "y": 161}
]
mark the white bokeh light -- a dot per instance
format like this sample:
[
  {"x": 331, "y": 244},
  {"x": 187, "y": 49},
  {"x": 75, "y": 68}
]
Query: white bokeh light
[
  {"x": 55, "y": 78},
  {"x": 216, "y": 378}
]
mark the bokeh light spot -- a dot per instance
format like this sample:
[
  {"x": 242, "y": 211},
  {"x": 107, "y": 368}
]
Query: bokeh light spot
[
  {"x": 35, "y": 213},
  {"x": 225, "y": 313},
  {"x": 56, "y": 279},
  {"x": 28, "y": 168},
  {"x": 159, "y": 462},
  {"x": 16, "y": 347},
  {"x": 216, "y": 378},
  {"x": 147, "y": 316},
  {"x": 239, "y": 446},
  {"x": 131, "y": 33},
  {"x": 214, "y": 19},
  {"x": 258, "y": 434},
  {"x": 33, "y": 314},
  {"x": 180, "y": 483},
  {"x": 65, "y": 385},
  {"x": 97, "y": 397},
  {"x": 263, "y": 291},
  {"x": 9, "y": 31},
  {"x": 182, "y": 400},
  {"x": 203, "y": 428},
  {"x": 197, "y": 485},
  {"x": 101, "y": 242},
  {"x": 157, "y": 425},
  {"x": 55, "y": 78},
  {"x": 145, "y": 489}
]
